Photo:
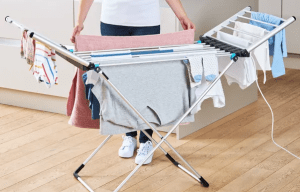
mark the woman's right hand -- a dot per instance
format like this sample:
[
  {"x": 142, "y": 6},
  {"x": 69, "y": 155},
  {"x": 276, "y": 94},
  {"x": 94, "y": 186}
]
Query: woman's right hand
[{"x": 76, "y": 31}]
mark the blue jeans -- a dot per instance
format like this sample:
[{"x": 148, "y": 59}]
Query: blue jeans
[{"x": 117, "y": 30}]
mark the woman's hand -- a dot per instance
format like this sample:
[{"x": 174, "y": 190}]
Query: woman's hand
[
  {"x": 186, "y": 23},
  {"x": 76, "y": 31}
]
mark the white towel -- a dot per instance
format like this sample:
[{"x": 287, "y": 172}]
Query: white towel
[
  {"x": 261, "y": 53},
  {"x": 242, "y": 71},
  {"x": 44, "y": 68}
]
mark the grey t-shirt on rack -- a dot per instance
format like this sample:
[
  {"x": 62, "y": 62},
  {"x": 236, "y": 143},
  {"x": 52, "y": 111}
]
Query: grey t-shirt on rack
[{"x": 159, "y": 91}]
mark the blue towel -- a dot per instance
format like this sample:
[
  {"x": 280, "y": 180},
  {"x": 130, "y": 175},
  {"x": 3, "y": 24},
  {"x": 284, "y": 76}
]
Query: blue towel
[
  {"x": 277, "y": 43},
  {"x": 93, "y": 101}
]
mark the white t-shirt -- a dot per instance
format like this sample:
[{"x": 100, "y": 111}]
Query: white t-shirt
[{"x": 136, "y": 13}]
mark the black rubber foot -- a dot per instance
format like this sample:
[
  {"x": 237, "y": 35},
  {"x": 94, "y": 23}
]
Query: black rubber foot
[
  {"x": 203, "y": 182},
  {"x": 295, "y": 18},
  {"x": 6, "y": 17}
]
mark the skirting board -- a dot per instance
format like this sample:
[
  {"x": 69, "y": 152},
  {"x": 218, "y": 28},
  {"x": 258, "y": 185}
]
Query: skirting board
[{"x": 33, "y": 100}]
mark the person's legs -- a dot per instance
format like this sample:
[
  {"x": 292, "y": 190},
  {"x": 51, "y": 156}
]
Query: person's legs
[
  {"x": 136, "y": 31},
  {"x": 132, "y": 134},
  {"x": 143, "y": 138},
  {"x": 129, "y": 142}
]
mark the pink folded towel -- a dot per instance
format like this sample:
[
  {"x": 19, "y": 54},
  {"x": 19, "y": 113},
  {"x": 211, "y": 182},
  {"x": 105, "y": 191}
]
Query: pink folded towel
[{"x": 77, "y": 105}]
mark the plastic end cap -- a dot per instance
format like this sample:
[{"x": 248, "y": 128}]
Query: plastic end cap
[
  {"x": 6, "y": 18},
  {"x": 203, "y": 182},
  {"x": 250, "y": 7},
  {"x": 31, "y": 34},
  {"x": 295, "y": 18}
]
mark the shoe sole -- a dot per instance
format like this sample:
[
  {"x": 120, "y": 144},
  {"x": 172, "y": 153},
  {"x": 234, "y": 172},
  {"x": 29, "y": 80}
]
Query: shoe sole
[
  {"x": 125, "y": 156},
  {"x": 146, "y": 163}
]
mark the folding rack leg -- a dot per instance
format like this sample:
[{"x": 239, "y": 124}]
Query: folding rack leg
[
  {"x": 86, "y": 161},
  {"x": 174, "y": 127},
  {"x": 197, "y": 176}
]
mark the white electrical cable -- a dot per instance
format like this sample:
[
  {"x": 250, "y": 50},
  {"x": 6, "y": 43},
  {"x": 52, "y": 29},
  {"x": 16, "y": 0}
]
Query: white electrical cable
[{"x": 272, "y": 132}]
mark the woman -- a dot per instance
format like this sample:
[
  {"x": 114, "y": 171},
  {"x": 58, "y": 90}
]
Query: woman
[{"x": 129, "y": 18}]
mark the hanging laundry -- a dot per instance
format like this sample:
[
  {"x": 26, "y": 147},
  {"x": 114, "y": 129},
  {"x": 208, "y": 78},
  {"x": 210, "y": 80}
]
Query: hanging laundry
[
  {"x": 261, "y": 53},
  {"x": 210, "y": 66},
  {"x": 77, "y": 109},
  {"x": 44, "y": 68},
  {"x": 241, "y": 72},
  {"x": 159, "y": 99},
  {"x": 277, "y": 43},
  {"x": 216, "y": 93},
  {"x": 27, "y": 48},
  {"x": 23, "y": 44},
  {"x": 90, "y": 78},
  {"x": 196, "y": 68}
]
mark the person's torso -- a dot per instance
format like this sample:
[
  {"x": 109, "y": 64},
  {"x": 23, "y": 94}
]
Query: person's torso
[{"x": 136, "y": 13}]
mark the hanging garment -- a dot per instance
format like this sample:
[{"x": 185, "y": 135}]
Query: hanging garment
[
  {"x": 77, "y": 105},
  {"x": 261, "y": 53},
  {"x": 159, "y": 91},
  {"x": 27, "y": 48},
  {"x": 199, "y": 65},
  {"x": 23, "y": 44},
  {"x": 44, "y": 68},
  {"x": 241, "y": 72},
  {"x": 195, "y": 69},
  {"x": 210, "y": 67},
  {"x": 277, "y": 43},
  {"x": 90, "y": 78},
  {"x": 216, "y": 93}
]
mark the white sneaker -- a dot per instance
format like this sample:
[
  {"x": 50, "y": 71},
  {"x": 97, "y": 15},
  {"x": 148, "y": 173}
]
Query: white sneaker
[
  {"x": 128, "y": 147},
  {"x": 144, "y": 149}
]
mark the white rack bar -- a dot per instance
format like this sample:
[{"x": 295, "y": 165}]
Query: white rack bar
[
  {"x": 219, "y": 27},
  {"x": 152, "y": 58},
  {"x": 236, "y": 21},
  {"x": 136, "y": 49},
  {"x": 102, "y": 64},
  {"x": 258, "y": 21},
  {"x": 196, "y": 50},
  {"x": 251, "y": 12},
  {"x": 240, "y": 31}
]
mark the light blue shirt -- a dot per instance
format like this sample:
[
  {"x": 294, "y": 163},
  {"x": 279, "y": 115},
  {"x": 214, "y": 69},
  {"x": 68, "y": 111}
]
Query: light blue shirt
[{"x": 277, "y": 43}]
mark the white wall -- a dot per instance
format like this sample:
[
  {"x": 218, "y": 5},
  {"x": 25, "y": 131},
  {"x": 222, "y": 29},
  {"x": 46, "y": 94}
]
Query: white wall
[{"x": 206, "y": 14}]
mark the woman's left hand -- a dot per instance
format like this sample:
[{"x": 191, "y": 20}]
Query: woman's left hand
[{"x": 186, "y": 23}]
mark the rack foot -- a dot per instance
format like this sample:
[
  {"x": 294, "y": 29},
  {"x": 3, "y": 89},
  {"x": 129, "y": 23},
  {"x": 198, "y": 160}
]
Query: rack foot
[{"x": 203, "y": 182}]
